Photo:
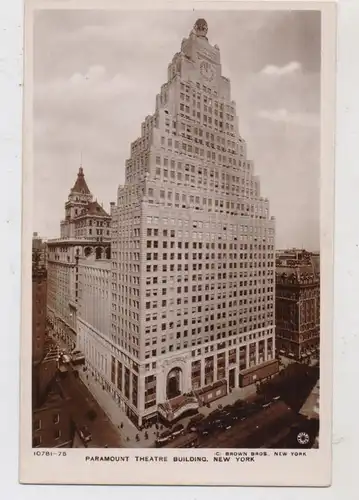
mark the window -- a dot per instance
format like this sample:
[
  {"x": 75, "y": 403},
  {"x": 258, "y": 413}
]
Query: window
[
  {"x": 36, "y": 441},
  {"x": 37, "y": 425},
  {"x": 57, "y": 434},
  {"x": 56, "y": 418}
]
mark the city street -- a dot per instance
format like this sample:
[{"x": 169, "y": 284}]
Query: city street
[
  {"x": 129, "y": 431},
  {"x": 112, "y": 428},
  {"x": 103, "y": 432}
]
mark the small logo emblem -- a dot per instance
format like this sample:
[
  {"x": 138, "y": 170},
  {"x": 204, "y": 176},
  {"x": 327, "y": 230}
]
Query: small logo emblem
[{"x": 303, "y": 438}]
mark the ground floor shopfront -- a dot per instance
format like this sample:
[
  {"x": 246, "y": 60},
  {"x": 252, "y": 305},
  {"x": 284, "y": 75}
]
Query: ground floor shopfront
[
  {"x": 177, "y": 402},
  {"x": 178, "y": 382}
]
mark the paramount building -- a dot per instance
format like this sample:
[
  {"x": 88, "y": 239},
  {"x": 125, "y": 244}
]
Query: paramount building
[{"x": 193, "y": 261}]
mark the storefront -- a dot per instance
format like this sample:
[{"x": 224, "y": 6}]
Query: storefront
[
  {"x": 212, "y": 392},
  {"x": 257, "y": 373}
]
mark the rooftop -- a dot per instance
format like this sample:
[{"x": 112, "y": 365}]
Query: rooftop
[
  {"x": 80, "y": 185},
  {"x": 93, "y": 208}
]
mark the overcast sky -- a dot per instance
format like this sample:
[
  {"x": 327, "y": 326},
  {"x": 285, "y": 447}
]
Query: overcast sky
[{"x": 97, "y": 75}]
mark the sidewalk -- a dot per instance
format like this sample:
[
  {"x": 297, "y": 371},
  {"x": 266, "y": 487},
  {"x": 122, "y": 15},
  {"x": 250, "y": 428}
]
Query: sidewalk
[{"x": 118, "y": 417}]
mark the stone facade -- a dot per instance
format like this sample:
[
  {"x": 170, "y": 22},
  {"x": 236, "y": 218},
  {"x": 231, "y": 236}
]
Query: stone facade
[
  {"x": 297, "y": 304},
  {"x": 85, "y": 233},
  {"x": 192, "y": 243}
]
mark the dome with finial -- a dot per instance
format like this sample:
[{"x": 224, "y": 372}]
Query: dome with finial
[{"x": 201, "y": 27}]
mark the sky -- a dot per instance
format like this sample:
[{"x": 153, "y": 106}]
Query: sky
[{"x": 96, "y": 75}]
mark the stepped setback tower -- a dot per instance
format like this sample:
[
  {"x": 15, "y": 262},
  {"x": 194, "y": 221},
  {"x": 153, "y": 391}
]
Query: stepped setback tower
[{"x": 192, "y": 250}]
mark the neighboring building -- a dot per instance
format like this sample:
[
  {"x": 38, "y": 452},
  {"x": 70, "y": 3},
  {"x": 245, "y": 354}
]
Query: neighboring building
[
  {"x": 94, "y": 317},
  {"x": 85, "y": 232},
  {"x": 192, "y": 284},
  {"x": 50, "y": 410},
  {"x": 39, "y": 300},
  {"x": 52, "y": 425},
  {"x": 297, "y": 304},
  {"x": 39, "y": 246}
]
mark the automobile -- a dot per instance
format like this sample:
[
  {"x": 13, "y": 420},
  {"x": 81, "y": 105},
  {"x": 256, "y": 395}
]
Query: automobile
[
  {"x": 163, "y": 438},
  {"x": 85, "y": 434},
  {"x": 226, "y": 424},
  {"x": 196, "y": 419},
  {"x": 177, "y": 430},
  {"x": 194, "y": 423},
  {"x": 239, "y": 403},
  {"x": 276, "y": 398},
  {"x": 266, "y": 405},
  {"x": 205, "y": 430}
]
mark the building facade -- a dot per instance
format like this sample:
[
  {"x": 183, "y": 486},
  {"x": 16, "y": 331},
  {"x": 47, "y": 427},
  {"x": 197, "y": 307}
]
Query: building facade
[
  {"x": 85, "y": 233},
  {"x": 297, "y": 304},
  {"x": 192, "y": 279},
  {"x": 39, "y": 301},
  {"x": 39, "y": 247},
  {"x": 52, "y": 425}
]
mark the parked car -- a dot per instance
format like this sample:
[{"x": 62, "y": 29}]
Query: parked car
[
  {"x": 194, "y": 423},
  {"x": 226, "y": 424},
  {"x": 205, "y": 430},
  {"x": 163, "y": 438},
  {"x": 85, "y": 434},
  {"x": 177, "y": 430}
]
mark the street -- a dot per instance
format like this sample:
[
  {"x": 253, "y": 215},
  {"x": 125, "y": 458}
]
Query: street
[{"x": 87, "y": 412}]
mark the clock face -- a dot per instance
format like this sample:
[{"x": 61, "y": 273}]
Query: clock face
[{"x": 207, "y": 70}]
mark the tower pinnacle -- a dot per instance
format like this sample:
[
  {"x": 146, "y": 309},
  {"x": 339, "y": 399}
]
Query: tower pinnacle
[
  {"x": 200, "y": 28},
  {"x": 80, "y": 185}
]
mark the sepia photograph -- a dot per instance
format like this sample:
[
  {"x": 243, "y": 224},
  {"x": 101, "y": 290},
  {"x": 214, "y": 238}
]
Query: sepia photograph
[{"x": 176, "y": 222}]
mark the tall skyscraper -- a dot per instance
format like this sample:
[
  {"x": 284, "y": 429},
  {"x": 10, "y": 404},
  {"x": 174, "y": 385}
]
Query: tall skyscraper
[{"x": 192, "y": 248}]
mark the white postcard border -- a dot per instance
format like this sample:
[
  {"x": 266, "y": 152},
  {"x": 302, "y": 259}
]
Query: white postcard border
[{"x": 314, "y": 469}]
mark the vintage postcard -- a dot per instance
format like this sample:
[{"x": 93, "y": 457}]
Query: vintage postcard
[{"x": 178, "y": 192}]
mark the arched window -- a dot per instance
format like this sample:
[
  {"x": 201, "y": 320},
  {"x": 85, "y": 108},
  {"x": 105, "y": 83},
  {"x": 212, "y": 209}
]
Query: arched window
[
  {"x": 88, "y": 251},
  {"x": 98, "y": 253}
]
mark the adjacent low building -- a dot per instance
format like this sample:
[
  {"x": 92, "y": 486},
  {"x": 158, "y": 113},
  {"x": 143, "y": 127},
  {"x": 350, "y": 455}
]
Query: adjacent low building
[
  {"x": 51, "y": 419},
  {"x": 52, "y": 425}
]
